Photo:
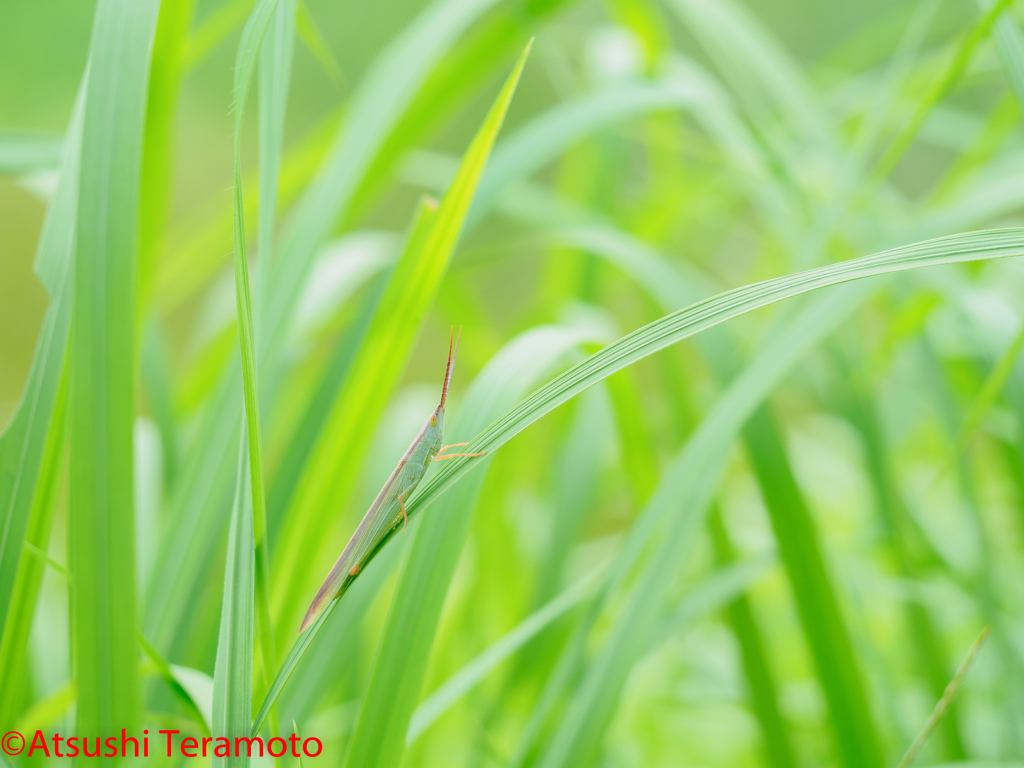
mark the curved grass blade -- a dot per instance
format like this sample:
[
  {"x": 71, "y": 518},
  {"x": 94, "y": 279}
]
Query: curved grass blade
[
  {"x": 971, "y": 246},
  {"x": 102, "y": 364},
  {"x": 166, "y": 671},
  {"x": 674, "y": 328},
  {"x": 684, "y": 494}
]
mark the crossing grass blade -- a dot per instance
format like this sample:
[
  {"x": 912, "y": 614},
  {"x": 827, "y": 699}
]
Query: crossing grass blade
[
  {"x": 102, "y": 364},
  {"x": 706, "y": 314},
  {"x": 546, "y": 137},
  {"x": 683, "y": 496},
  {"x": 309, "y": 33},
  {"x": 955, "y": 69},
  {"x": 671, "y": 329}
]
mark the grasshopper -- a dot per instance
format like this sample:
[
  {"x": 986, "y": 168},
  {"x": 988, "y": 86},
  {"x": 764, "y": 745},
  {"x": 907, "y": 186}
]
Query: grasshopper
[{"x": 389, "y": 506}]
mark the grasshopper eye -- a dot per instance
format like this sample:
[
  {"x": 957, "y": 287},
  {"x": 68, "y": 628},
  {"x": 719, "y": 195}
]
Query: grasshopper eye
[{"x": 433, "y": 420}]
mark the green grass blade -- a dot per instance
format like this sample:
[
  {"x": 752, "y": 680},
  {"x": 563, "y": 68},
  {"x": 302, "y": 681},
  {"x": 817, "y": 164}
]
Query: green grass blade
[
  {"x": 407, "y": 299},
  {"x": 467, "y": 67},
  {"x": 544, "y": 138},
  {"x": 674, "y": 327},
  {"x": 245, "y": 67},
  {"x": 827, "y": 634},
  {"x": 158, "y": 155},
  {"x": 378, "y": 103},
  {"x": 200, "y": 509},
  {"x": 29, "y": 578},
  {"x": 318, "y": 407},
  {"x": 232, "y": 678},
  {"x": 579, "y": 468},
  {"x": 759, "y": 70},
  {"x": 943, "y": 703},
  {"x": 102, "y": 393},
  {"x": 863, "y": 413},
  {"x": 684, "y": 493},
  {"x": 309, "y": 33},
  {"x": 455, "y": 687},
  {"x": 760, "y": 679},
  {"x": 713, "y": 592},
  {"x": 215, "y": 29},
  {"x": 166, "y": 671},
  {"x": 275, "y": 74},
  {"x": 335, "y": 457},
  {"x": 156, "y": 379},
  {"x": 955, "y": 69},
  {"x": 22, "y": 444},
  {"x": 379, "y": 736},
  {"x": 1010, "y": 47}
]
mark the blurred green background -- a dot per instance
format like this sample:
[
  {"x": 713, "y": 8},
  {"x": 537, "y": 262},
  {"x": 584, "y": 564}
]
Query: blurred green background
[{"x": 771, "y": 544}]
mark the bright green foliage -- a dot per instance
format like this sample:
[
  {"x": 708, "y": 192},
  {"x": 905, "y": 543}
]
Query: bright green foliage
[
  {"x": 739, "y": 288},
  {"x": 102, "y": 360}
]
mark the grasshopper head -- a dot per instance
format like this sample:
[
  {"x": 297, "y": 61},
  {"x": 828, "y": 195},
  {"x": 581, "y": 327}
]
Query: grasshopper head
[{"x": 435, "y": 425}]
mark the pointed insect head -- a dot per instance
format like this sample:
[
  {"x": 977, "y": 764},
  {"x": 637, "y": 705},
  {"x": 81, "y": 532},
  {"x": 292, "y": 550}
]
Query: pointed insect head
[{"x": 436, "y": 422}]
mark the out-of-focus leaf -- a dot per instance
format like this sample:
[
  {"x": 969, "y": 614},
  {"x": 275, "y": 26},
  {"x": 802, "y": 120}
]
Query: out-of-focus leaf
[
  {"x": 25, "y": 152},
  {"x": 455, "y": 687},
  {"x": 232, "y": 677},
  {"x": 22, "y": 444},
  {"x": 102, "y": 364},
  {"x": 379, "y": 101}
]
